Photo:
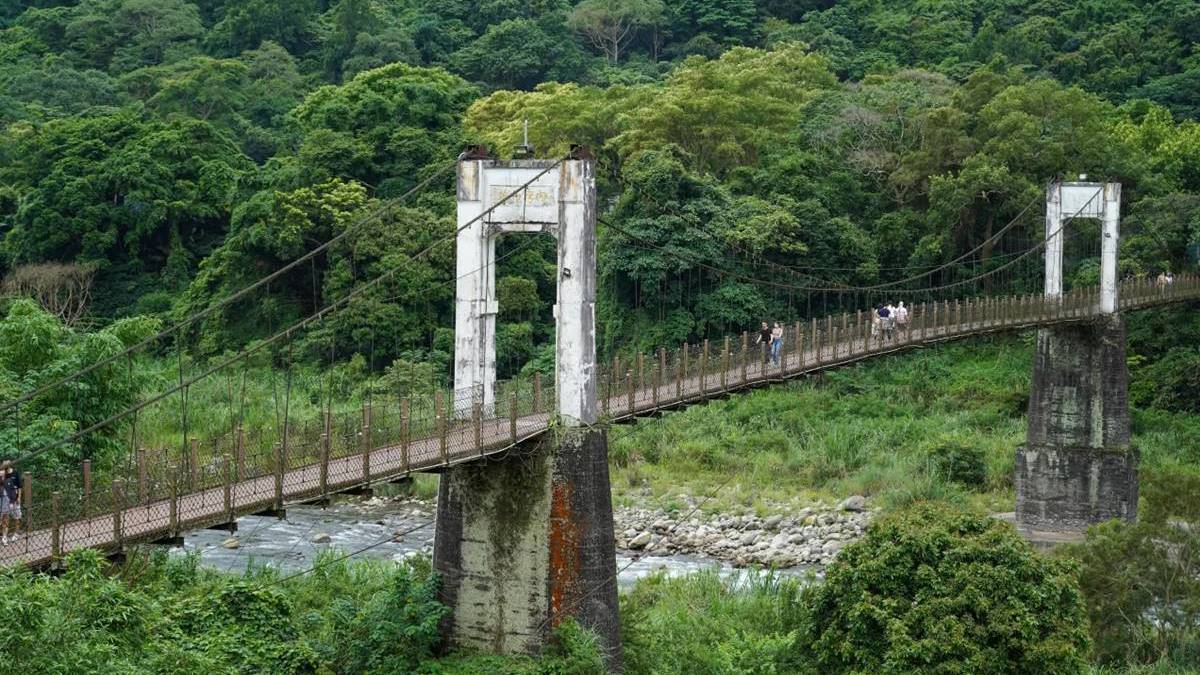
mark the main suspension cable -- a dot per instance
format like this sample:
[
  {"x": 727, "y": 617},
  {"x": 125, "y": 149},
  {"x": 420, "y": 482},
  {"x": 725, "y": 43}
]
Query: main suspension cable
[
  {"x": 777, "y": 284},
  {"x": 286, "y": 332}
]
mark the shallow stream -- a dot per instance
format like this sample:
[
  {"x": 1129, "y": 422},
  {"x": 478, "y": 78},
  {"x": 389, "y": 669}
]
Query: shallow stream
[{"x": 292, "y": 544}]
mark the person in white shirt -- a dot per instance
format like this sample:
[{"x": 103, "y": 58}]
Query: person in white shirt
[{"x": 901, "y": 315}]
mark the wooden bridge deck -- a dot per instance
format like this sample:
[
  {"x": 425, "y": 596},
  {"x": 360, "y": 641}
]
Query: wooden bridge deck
[{"x": 690, "y": 378}]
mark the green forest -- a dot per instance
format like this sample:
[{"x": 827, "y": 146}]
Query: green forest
[{"x": 158, "y": 156}]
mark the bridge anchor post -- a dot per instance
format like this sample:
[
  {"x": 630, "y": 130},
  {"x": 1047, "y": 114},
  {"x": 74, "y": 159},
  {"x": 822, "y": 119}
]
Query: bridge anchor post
[{"x": 525, "y": 542}]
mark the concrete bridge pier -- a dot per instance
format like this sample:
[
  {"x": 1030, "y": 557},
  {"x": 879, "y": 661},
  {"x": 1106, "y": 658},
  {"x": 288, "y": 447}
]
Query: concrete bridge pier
[
  {"x": 1077, "y": 466},
  {"x": 525, "y": 542}
]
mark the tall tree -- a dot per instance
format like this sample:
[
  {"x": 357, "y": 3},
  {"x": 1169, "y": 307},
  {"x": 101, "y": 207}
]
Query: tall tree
[
  {"x": 396, "y": 119},
  {"x": 248, "y": 23},
  {"x": 611, "y": 24}
]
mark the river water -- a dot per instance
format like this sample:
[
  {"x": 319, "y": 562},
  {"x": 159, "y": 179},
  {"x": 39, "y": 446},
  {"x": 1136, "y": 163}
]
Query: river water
[{"x": 292, "y": 544}]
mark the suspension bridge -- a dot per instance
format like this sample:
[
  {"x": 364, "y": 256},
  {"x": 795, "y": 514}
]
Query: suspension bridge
[
  {"x": 223, "y": 478},
  {"x": 524, "y": 538}
]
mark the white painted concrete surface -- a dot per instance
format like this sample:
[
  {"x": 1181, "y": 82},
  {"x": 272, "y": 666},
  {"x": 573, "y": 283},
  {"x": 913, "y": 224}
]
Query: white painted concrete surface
[{"x": 560, "y": 202}]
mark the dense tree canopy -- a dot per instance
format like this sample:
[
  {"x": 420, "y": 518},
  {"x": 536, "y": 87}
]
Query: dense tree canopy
[
  {"x": 756, "y": 159},
  {"x": 182, "y": 149}
]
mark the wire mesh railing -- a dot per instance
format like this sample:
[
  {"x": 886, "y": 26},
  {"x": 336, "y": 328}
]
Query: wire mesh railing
[{"x": 209, "y": 481}]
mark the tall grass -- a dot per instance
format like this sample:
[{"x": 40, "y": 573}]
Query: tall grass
[{"x": 875, "y": 429}]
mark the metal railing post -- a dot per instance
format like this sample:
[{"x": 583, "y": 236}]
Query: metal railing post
[
  {"x": 439, "y": 418},
  {"x": 326, "y": 442},
  {"x": 87, "y": 487},
  {"x": 227, "y": 463},
  {"x": 404, "y": 423},
  {"x": 279, "y": 461},
  {"x": 725, "y": 365},
  {"x": 477, "y": 426},
  {"x": 681, "y": 359},
  {"x": 512, "y": 417},
  {"x": 367, "y": 443},
  {"x": 241, "y": 453},
  {"x": 118, "y": 508},
  {"x": 662, "y": 371},
  {"x": 56, "y": 519},
  {"x": 655, "y": 376},
  {"x": 173, "y": 506}
]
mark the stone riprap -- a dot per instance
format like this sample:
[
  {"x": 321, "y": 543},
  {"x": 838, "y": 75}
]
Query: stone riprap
[{"x": 812, "y": 535}]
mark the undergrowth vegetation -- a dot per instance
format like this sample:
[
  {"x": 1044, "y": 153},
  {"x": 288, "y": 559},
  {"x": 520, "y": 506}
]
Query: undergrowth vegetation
[
  {"x": 939, "y": 424},
  {"x": 930, "y": 589}
]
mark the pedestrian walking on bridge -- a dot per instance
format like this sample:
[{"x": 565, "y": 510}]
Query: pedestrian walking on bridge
[
  {"x": 10, "y": 502},
  {"x": 764, "y": 342},
  {"x": 776, "y": 342},
  {"x": 902, "y": 318},
  {"x": 886, "y": 321}
]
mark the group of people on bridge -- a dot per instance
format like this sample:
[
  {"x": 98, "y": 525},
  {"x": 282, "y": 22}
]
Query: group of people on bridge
[
  {"x": 771, "y": 342},
  {"x": 887, "y": 319}
]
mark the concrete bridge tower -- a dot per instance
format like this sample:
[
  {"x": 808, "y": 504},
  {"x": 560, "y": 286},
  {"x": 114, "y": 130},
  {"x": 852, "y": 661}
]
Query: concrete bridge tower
[
  {"x": 525, "y": 541},
  {"x": 1077, "y": 466}
]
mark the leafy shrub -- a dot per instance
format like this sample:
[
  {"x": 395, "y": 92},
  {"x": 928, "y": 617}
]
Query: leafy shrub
[
  {"x": 392, "y": 632},
  {"x": 932, "y": 590},
  {"x": 959, "y": 462},
  {"x": 1142, "y": 580}
]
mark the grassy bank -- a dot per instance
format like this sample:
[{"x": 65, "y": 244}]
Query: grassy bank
[{"x": 938, "y": 424}]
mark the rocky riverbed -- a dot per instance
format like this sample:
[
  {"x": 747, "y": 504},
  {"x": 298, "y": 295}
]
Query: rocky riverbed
[
  {"x": 810, "y": 536},
  {"x": 649, "y": 539}
]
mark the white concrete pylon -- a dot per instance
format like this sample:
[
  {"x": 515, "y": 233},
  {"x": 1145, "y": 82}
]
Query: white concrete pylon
[
  {"x": 1054, "y": 241},
  {"x": 474, "y": 296},
  {"x": 526, "y": 196},
  {"x": 575, "y": 312},
  {"x": 1066, "y": 201},
  {"x": 1109, "y": 244}
]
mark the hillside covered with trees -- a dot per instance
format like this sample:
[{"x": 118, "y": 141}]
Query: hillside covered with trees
[
  {"x": 158, "y": 156},
  {"x": 177, "y": 150}
]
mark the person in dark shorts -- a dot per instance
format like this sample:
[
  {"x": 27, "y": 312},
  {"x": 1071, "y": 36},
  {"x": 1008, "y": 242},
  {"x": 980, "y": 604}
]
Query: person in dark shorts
[
  {"x": 764, "y": 342},
  {"x": 10, "y": 502}
]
